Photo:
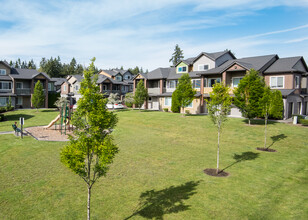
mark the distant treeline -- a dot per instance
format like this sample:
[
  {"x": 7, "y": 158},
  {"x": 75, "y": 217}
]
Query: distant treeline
[{"x": 55, "y": 68}]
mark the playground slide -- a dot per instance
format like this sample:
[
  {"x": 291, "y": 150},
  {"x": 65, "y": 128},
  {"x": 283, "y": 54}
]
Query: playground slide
[{"x": 53, "y": 121}]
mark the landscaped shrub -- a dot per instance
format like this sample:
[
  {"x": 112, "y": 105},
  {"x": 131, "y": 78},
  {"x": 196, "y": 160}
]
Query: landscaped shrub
[
  {"x": 187, "y": 112},
  {"x": 1, "y": 117},
  {"x": 299, "y": 117},
  {"x": 165, "y": 109},
  {"x": 2, "y": 109},
  {"x": 9, "y": 108},
  {"x": 303, "y": 122},
  {"x": 175, "y": 104}
]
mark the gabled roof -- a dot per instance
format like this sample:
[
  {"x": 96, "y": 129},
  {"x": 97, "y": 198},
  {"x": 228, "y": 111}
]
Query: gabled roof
[
  {"x": 160, "y": 73},
  {"x": 142, "y": 74},
  {"x": 79, "y": 78},
  {"x": 258, "y": 63},
  {"x": 286, "y": 65},
  {"x": 58, "y": 81},
  {"x": 17, "y": 73},
  {"x": 5, "y": 63},
  {"x": 286, "y": 92}
]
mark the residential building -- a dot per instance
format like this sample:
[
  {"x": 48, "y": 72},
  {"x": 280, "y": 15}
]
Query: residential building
[
  {"x": 19, "y": 85},
  {"x": 289, "y": 75}
]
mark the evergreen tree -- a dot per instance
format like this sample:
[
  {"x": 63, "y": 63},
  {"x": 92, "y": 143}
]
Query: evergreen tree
[
  {"x": 11, "y": 63},
  {"x": 38, "y": 96},
  {"x": 219, "y": 107},
  {"x": 177, "y": 55},
  {"x": 248, "y": 94},
  {"x": 141, "y": 94},
  {"x": 185, "y": 92},
  {"x": 271, "y": 104},
  {"x": 91, "y": 149},
  {"x": 175, "y": 104}
]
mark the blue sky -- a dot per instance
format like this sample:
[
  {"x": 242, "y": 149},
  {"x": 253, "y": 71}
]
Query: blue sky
[{"x": 144, "y": 33}]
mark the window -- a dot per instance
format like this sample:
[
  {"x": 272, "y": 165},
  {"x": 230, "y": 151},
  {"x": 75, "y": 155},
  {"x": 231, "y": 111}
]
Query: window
[
  {"x": 49, "y": 86},
  {"x": 19, "y": 85},
  {"x": 236, "y": 81},
  {"x": 105, "y": 88},
  {"x": 3, "y": 101},
  {"x": 182, "y": 69},
  {"x": 213, "y": 81},
  {"x": 5, "y": 85},
  {"x": 19, "y": 101},
  {"x": 126, "y": 76},
  {"x": 296, "y": 82},
  {"x": 2, "y": 71},
  {"x": 190, "y": 105},
  {"x": 203, "y": 67},
  {"x": 76, "y": 87},
  {"x": 196, "y": 83},
  {"x": 64, "y": 88},
  {"x": 168, "y": 101},
  {"x": 118, "y": 78},
  {"x": 172, "y": 84},
  {"x": 277, "y": 81}
]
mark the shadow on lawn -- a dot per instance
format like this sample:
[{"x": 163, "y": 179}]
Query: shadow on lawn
[
  {"x": 16, "y": 117},
  {"x": 155, "y": 204},
  {"x": 49, "y": 110},
  {"x": 242, "y": 157},
  {"x": 259, "y": 122},
  {"x": 277, "y": 138}
]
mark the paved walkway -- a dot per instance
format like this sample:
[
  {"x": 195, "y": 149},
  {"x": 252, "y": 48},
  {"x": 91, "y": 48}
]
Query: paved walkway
[{"x": 7, "y": 132}]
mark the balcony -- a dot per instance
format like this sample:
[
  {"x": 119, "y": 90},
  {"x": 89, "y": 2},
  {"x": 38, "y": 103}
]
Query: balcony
[
  {"x": 5, "y": 90},
  {"x": 26, "y": 91},
  {"x": 154, "y": 90},
  {"x": 112, "y": 91}
]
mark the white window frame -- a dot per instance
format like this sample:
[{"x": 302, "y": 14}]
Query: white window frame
[
  {"x": 182, "y": 69},
  {"x": 2, "y": 71},
  {"x": 199, "y": 65},
  {"x": 22, "y": 85},
  {"x": 106, "y": 87},
  {"x": 6, "y": 100},
  {"x": 236, "y": 78},
  {"x": 274, "y": 87},
  {"x": 9, "y": 83},
  {"x": 169, "y": 82},
  {"x": 168, "y": 98},
  {"x": 119, "y": 78},
  {"x": 296, "y": 86},
  {"x": 64, "y": 88},
  {"x": 209, "y": 80},
  {"x": 193, "y": 83},
  {"x": 76, "y": 87},
  {"x": 19, "y": 99}
]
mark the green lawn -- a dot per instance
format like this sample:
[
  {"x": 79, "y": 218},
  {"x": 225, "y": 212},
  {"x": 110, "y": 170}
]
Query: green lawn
[
  {"x": 159, "y": 173},
  {"x": 32, "y": 118}
]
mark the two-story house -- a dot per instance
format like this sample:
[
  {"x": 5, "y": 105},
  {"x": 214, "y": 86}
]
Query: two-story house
[
  {"x": 19, "y": 85},
  {"x": 289, "y": 75},
  {"x": 161, "y": 82}
]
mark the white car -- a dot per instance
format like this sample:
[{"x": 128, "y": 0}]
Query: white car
[{"x": 115, "y": 106}]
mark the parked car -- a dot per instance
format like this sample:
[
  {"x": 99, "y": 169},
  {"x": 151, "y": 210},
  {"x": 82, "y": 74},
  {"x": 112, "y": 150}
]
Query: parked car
[{"x": 115, "y": 106}]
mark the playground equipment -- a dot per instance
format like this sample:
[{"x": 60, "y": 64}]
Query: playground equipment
[{"x": 64, "y": 118}]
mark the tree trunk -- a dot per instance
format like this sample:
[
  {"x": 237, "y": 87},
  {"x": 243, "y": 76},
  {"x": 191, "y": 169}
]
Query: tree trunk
[
  {"x": 265, "y": 130},
  {"x": 249, "y": 121},
  {"x": 217, "y": 171},
  {"x": 89, "y": 201}
]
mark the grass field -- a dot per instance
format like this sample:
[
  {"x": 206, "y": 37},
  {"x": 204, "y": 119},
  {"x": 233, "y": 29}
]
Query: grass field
[
  {"x": 158, "y": 173},
  {"x": 32, "y": 118}
]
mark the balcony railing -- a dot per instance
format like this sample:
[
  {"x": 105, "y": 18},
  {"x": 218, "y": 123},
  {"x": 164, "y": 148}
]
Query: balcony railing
[
  {"x": 5, "y": 90},
  {"x": 26, "y": 91}
]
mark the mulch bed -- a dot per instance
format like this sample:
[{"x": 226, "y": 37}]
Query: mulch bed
[
  {"x": 42, "y": 134},
  {"x": 212, "y": 172},
  {"x": 266, "y": 149}
]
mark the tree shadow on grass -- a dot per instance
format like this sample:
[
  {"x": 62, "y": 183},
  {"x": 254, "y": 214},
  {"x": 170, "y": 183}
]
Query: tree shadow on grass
[
  {"x": 49, "y": 110},
  {"x": 277, "y": 138},
  {"x": 154, "y": 204},
  {"x": 242, "y": 157},
  {"x": 16, "y": 117},
  {"x": 259, "y": 122}
]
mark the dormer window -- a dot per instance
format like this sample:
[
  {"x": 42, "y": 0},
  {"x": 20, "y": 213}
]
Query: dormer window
[
  {"x": 2, "y": 71},
  {"x": 182, "y": 69},
  {"x": 203, "y": 67},
  {"x": 118, "y": 78}
]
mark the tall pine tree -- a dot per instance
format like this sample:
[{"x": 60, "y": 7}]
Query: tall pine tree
[{"x": 177, "y": 55}]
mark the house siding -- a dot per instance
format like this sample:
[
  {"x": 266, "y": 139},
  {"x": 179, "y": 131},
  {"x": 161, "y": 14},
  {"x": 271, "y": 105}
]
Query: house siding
[{"x": 203, "y": 60}]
